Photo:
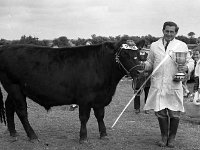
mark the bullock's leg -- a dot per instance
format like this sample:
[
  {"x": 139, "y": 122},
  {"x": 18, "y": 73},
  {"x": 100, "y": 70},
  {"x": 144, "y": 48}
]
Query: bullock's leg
[
  {"x": 99, "y": 114},
  {"x": 10, "y": 110},
  {"x": 21, "y": 109},
  {"x": 84, "y": 115}
]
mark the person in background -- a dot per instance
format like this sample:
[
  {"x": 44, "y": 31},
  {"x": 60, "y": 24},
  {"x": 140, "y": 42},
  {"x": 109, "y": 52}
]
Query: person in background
[
  {"x": 198, "y": 41},
  {"x": 186, "y": 92},
  {"x": 165, "y": 94},
  {"x": 195, "y": 72},
  {"x": 146, "y": 87},
  {"x": 88, "y": 43}
]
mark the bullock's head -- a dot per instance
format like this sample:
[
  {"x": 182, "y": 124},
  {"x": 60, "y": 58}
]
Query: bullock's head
[{"x": 128, "y": 57}]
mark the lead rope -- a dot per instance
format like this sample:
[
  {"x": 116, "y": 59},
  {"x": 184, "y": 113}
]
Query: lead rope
[
  {"x": 119, "y": 62},
  {"x": 134, "y": 83}
]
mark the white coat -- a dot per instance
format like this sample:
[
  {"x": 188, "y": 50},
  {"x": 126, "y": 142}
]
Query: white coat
[{"x": 164, "y": 92}]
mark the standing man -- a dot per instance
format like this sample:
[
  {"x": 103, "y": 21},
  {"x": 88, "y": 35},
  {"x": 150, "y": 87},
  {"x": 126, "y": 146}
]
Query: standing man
[
  {"x": 166, "y": 95},
  {"x": 139, "y": 83}
]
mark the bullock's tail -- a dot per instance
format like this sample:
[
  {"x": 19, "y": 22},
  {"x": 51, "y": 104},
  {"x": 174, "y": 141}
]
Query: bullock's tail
[{"x": 2, "y": 109}]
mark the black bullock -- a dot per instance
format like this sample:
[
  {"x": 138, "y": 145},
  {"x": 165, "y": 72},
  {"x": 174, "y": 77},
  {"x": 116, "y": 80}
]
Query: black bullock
[{"x": 85, "y": 75}]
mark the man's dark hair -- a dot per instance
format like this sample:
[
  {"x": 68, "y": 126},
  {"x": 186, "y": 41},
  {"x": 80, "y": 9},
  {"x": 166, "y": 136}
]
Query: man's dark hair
[{"x": 170, "y": 23}]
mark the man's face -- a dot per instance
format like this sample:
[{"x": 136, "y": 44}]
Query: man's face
[
  {"x": 196, "y": 55},
  {"x": 169, "y": 33}
]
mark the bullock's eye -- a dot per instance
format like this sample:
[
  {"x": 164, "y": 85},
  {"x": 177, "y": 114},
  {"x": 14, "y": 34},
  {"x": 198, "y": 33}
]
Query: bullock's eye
[{"x": 125, "y": 54}]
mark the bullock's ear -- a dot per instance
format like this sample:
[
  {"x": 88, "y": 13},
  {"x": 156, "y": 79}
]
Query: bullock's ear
[
  {"x": 109, "y": 46},
  {"x": 119, "y": 43},
  {"x": 140, "y": 44}
]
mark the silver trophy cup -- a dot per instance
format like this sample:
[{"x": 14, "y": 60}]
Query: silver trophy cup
[{"x": 180, "y": 60}]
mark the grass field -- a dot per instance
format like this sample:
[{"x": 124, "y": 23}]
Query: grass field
[{"x": 59, "y": 128}]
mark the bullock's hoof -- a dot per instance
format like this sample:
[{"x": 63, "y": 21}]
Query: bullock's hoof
[
  {"x": 104, "y": 136},
  {"x": 6, "y": 131},
  {"x": 12, "y": 139},
  {"x": 83, "y": 141},
  {"x": 35, "y": 141},
  {"x": 14, "y": 134}
]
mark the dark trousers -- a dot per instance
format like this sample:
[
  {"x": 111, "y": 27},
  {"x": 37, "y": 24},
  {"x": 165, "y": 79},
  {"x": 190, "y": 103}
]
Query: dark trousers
[{"x": 137, "y": 98}]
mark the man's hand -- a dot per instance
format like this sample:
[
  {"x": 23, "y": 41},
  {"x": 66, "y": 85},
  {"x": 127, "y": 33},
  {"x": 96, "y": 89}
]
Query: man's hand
[{"x": 182, "y": 68}]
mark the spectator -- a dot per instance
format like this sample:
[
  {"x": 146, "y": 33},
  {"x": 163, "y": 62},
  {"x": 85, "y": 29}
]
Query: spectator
[
  {"x": 186, "y": 91},
  {"x": 195, "y": 72},
  {"x": 88, "y": 43},
  {"x": 146, "y": 87}
]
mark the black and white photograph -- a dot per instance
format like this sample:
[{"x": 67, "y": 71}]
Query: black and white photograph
[{"x": 99, "y": 75}]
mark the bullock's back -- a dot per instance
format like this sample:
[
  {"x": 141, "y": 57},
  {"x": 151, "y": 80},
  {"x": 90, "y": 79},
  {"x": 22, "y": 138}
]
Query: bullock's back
[
  {"x": 76, "y": 70},
  {"x": 32, "y": 52}
]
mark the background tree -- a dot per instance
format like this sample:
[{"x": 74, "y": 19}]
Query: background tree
[
  {"x": 191, "y": 34},
  {"x": 61, "y": 41},
  {"x": 198, "y": 41},
  {"x": 183, "y": 38},
  {"x": 150, "y": 39},
  {"x": 98, "y": 39},
  {"x": 29, "y": 40},
  {"x": 80, "y": 41},
  {"x": 191, "y": 38},
  {"x": 4, "y": 42}
]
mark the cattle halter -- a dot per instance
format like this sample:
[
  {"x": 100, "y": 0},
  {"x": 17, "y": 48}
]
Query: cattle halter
[{"x": 125, "y": 46}]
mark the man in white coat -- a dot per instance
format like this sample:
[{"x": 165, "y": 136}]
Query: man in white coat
[{"x": 166, "y": 95}]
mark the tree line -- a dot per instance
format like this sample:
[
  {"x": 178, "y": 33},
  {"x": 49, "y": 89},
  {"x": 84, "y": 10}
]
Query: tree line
[{"x": 63, "y": 41}]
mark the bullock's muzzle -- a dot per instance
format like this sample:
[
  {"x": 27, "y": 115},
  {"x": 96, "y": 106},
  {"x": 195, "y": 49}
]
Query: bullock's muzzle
[{"x": 137, "y": 70}]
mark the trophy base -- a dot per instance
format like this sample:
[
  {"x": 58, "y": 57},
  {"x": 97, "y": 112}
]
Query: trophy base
[{"x": 179, "y": 77}]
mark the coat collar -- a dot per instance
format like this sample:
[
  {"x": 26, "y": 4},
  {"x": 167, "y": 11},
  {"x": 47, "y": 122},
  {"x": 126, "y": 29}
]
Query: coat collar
[{"x": 160, "y": 44}]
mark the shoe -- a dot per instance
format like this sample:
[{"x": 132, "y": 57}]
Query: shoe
[
  {"x": 137, "y": 111},
  {"x": 73, "y": 107},
  {"x": 163, "y": 142}
]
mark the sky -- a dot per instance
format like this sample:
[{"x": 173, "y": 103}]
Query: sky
[{"x": 50, "y": 19}]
